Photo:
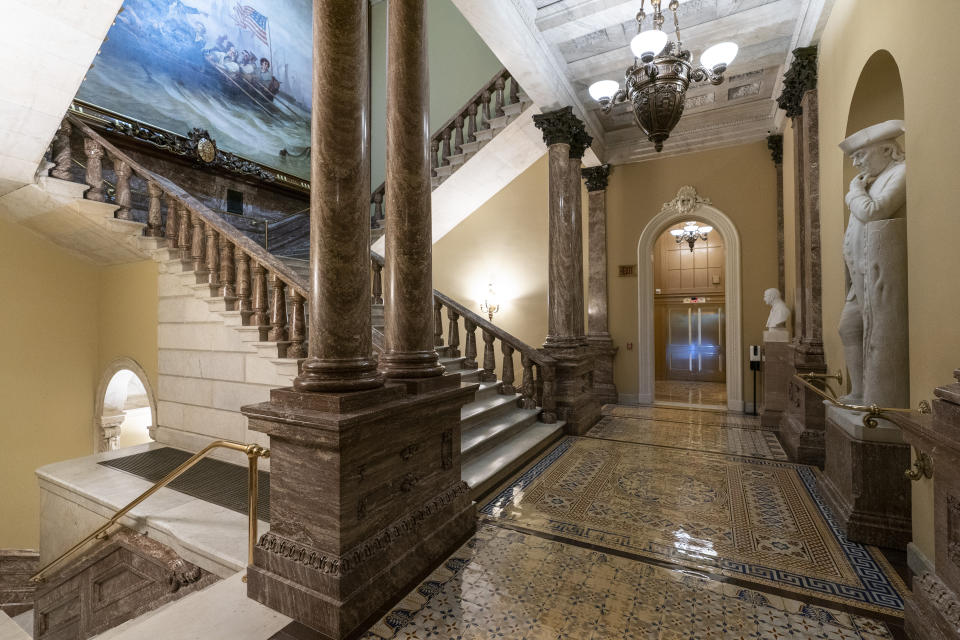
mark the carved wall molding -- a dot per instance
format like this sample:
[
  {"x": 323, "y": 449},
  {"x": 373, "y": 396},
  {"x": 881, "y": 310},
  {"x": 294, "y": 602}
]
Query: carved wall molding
[
  {"x": 686, "y": 202},
  {"x": 351, "y": 560},
  {"x": 106, "y": 429}
]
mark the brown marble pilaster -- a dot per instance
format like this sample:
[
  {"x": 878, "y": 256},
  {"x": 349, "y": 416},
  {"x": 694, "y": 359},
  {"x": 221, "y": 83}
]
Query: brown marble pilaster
[
  {"x": 566, "y": 138},
  {"x": 409, "y": 327},
  {"x": 598, "y": 333},
  {"x": 340, "y": 342}
]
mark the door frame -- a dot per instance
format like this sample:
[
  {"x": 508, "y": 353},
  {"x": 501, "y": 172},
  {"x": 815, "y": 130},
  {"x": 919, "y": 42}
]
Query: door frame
[{"x": 690, "y": 205}]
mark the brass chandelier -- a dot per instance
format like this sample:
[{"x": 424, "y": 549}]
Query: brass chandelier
[{"x": 656, "y": 83}]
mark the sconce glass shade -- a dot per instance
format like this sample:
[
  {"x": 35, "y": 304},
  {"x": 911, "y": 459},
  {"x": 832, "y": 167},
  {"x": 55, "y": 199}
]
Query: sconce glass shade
[
  {"x": 604, "y": 89},
  {"x": 719, "y": 55},
  {"x": 690, "y": 227},
  {"x": 676, "y": 232},
  {"x": 651, "y": 41},
  {"x": 706, "y": 229}
]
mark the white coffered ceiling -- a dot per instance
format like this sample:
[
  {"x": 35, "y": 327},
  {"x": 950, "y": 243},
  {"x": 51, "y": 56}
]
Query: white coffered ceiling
[{"x": 558, "y": 48}]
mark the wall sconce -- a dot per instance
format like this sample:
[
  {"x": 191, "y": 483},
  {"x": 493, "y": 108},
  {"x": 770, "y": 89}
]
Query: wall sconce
[{"x": 490, "y": 305}]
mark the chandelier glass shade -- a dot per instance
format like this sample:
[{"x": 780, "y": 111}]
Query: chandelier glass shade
[
  {"x": 690, "y": 233},
  {"x": 657, "y": 81}
]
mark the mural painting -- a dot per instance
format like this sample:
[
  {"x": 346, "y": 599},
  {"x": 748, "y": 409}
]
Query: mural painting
[{"x": 242, "y": 71}]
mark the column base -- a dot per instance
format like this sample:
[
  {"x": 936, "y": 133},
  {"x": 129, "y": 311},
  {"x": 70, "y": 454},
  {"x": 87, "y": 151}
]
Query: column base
[
  {"x": 577, "y": 404},
  {"x": 604, "y": 352},
  {"x": 777, "y": 372},
  {"x": 863, "y": 481},
  {"x": 366, "y": 499},
  {"x": 801, "y": 425},
  {"x": 933, "y": 613}
]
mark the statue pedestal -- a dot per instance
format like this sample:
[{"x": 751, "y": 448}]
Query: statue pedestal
[
  {"x": 863, "y": 481},
  {"x": 777, "y": 371},
  {"x": 801, "y": 429},
  {"x": 365, "y": 499},
  {"x": 604, "y": 352}
]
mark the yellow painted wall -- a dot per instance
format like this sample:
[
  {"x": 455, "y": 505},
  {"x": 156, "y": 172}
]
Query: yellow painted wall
[
  {"x": 855, "y": 30},
  {"x": 62, "y": 321}
]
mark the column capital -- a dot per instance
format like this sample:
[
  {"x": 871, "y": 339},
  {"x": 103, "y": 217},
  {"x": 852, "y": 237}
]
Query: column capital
[
  {"x": 799, "y": 78},
  {"x": 596, "y": 177},
  {"x": 560, "y": 127},
  {"x": 580, "y": 142},
  {"x": 775, "y": 144}
]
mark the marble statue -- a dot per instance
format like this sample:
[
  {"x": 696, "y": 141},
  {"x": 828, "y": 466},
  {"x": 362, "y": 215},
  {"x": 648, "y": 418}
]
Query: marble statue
[
  {"x": 779, "y": 312},
  {"x": 873, "y": 322}
]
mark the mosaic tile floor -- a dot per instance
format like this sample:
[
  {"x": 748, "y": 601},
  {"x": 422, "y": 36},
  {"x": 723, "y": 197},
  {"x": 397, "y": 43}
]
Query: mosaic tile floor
[
  {"x": 505, "y": 584},
  {"x": 706, "y": 393},
  {"x": 760, "y": 521},
  {"x": 686, "y": 416},
  {"x": 699, "y": 437}
]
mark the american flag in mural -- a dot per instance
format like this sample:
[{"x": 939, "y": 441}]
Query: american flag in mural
[{"x": 249, "y": 18}]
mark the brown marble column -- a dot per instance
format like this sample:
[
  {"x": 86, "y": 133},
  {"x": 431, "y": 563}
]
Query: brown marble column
[
  {"x": 598, "y": 332},
  {"x": 409, "y": 325},
  {"x": 775, "y": 144},
  {"x": 566, "y": 140},
  {"x": 340, "y": 343}
]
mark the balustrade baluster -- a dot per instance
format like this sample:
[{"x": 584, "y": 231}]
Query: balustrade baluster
[
  {"x": 527, "y": 388},
  {"x": 377, "y": 209},
  {"x": 445, "y": 149},
  {"x": 227, "y": 273},
  {"x": 538, "y": 385},
  {"x": 260, "y": 317},
  {"x": 485, "y": 109},
  {"x": 154, "y": 212},
  {"x": 171, "y": 223},
  {"x": 62, "y": 154},
  {"x": 377, "y": 283},
  {"x": 298, "y": 332},
  {"x": 94, "y": 178},
  {"x": 244, "y": 304},
  {"x": 213, "y": 257},
  {"x": 514, "y": 90},
  {"x": 437, "y": 323},
  {"x": 458, "y": 134},
  {"x": 453, "y": 333},
  {"x": 123, "y": 171},
  {"x": 278, "y": 308},
  {"x": 197, "y": 247},
  {"x": 470, "y": 350},
  {"x": 549, "y": 401},
  {"x": 434, "y": 151},
  {"x": 507, "y": 374},
  {"x": 489, "y": 358},
  {"x": 183, "y": 231},
  {"x": 472, "y": 122},
  {"x": 498, "y": 85}
]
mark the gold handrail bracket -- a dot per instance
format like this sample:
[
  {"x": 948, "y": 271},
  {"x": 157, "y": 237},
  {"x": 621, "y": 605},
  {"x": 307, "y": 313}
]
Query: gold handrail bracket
[
  {"x": 871, "y": 413},
  {"x": 253, "y": 452}
]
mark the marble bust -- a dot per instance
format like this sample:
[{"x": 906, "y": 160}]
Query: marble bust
[
  {"x": 871, "y": 315},
  {"x": 779, "y": 312}
]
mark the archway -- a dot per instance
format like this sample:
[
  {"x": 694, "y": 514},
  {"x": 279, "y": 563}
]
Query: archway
[
  {"x": 125, "y": 409},
  {"x": 688, "y": 205}
]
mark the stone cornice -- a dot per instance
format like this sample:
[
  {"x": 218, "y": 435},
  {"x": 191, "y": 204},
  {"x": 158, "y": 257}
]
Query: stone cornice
[
  {"x": 775, "y": 144},
  {"x": 561, "y": 127},
  {"x": 596, "y": 177},
  {"x": 799, "y": 78}
]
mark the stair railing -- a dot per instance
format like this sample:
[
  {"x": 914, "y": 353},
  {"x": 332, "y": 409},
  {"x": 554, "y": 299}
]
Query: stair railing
[
  {"x": 253, "y": 452},
  {"x": 459, "y": 135},
  {"x": 248, "y": 277},
  {"x": 537, "y": 387}
]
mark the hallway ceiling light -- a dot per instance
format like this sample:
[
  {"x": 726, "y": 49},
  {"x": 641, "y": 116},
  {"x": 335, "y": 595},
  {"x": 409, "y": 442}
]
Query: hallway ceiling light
[
  {"x": 690, "y": 233},
  {"x": 656, "y": 83}
]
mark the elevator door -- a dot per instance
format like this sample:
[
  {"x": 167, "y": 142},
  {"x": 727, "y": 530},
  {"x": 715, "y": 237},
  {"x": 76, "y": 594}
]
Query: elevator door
[{"x": 695, "y": 349}]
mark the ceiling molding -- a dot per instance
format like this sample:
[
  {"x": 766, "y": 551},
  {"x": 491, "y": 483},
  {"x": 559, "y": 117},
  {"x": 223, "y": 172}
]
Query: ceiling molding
[{"x": 813, "y": 17}]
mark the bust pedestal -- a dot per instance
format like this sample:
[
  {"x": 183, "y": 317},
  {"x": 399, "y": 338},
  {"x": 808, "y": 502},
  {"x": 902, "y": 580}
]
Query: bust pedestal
[
  {"x": 777, "y": 370},
  {"x": 365, "y": 498},
  {"x": 863, "y": 481}
]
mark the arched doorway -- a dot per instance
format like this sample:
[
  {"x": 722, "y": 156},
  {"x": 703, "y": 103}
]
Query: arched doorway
[
  {"x": 126, "y": 407},
  {"x": 688, "y": 205}
]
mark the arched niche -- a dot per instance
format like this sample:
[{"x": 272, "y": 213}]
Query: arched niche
[
  {"x": 120, "y": 375},
  {"x": 688, "y": 205}
]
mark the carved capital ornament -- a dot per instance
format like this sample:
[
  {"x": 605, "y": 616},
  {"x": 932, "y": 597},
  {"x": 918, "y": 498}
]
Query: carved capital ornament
[
  {"x": 596, "y": 177},
  {"x": 559, "y": 127},
  {"x": 799, "y": 78}
]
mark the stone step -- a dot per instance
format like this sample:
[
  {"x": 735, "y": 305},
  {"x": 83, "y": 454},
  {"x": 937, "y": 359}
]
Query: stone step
[
  {"x": 10, "y": 630},
  {"x": 248, "y": 334},
  {"x": 151, "y": 243},
  {"x": 489, "y": 469},
  {"x": 287, "y": 366},
  {"x": 480, "y": 411},
  {"x": 486, "y": 390},
  {"x": 272, "y": 350},
  {"x": 231, "y": 318},
  {"x": 494, "y": 432}
]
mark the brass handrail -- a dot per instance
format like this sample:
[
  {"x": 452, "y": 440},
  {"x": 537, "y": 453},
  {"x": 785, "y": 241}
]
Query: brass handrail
[
  {"x": 871, "y": 413},
  {"x": 254, "y": 453}
]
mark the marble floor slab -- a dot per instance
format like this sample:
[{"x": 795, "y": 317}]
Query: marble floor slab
[
  {"x": 685, "y": 416},
  {"x": 759, "y": 521},
  {"x": 507, "y": 584},
  {"x": 698, "y": 437},
  {"x": 691, "y": 392}
]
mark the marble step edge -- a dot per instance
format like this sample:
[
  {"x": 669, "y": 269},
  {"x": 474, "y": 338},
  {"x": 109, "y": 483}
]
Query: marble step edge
[
  {"x": 495, "y": 466},
  {"x": 479, "y": 411},
  {"x": 491, "y": 433}
]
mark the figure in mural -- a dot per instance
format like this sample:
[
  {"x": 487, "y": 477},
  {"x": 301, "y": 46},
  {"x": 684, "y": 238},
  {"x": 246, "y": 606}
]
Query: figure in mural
[
  {"x": 779, "y": 312},
  {"x": 872, "y": 320}
]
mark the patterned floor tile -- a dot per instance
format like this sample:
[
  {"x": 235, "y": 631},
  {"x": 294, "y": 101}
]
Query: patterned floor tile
[
  {"x": 686, "y": 416},
  {"x": 597, "y": 596},
  {"x": 760, "y": 521},
  {"x": 688, "y": 392},
  {"x": 699, "y": 437}
]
